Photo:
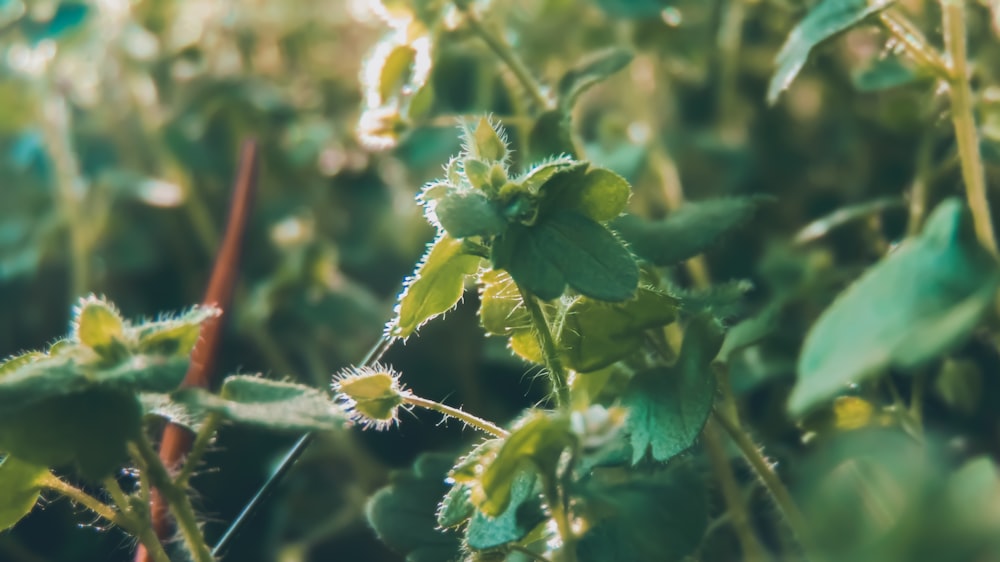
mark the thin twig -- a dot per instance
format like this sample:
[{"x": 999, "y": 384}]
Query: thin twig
[{"x": 482, "y": 425}]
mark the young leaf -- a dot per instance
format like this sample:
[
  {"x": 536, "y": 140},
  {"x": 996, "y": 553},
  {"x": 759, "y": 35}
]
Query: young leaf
[
  {"x": 668, "y": 406},
  {"x": 688, "y": 231},
  {"x": 501, "y": 311},
  {"x": 596, "y": 68},
  {"x": 523, "y": 514},
  {"x": 487, "y": 142},
  {"x": 595, "y": 334},
  {"x": 270, "y": 404},
  {"x": 402, "y": 514},
  {"x": 396, "y": 70},
  {"x": 567, "y": 248},
  {"x": 456, "y": 507},
  {"x": 537, "y": 443},
  {"x": 174, "y": 336},
  {"x": 436, "y": 286},
  {"x": 20, "y": 488},
  {"x": 550, "y": 136},
  {"x": 600, "y": 194},
  {"x": 913, "y": 306},
  {"x": 662, "y": 516},
  {"x": 469, "y": 213},
  {"x": 97, "y": 323},
  {"x": 88, "y": 429},
  {"x": 824, "y": 21}
]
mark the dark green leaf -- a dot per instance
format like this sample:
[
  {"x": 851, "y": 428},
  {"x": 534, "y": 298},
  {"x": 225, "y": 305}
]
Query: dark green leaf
[
  {"x": 436, "y": 286},
  {"x": 88, "y": 429},
  {"x": 750, "y": 331},
  {"x": 827, "y": 19},
  {"x": 688, "y": 231},
  {"x": 662, "y": 516},
  {"x": 567, "y": 248},
  {"x": 456, "y": 507},
  {"x": 596, "y": 68},
  {"x": 551, "y": 136},
  {"x": 468, "y": 213},
  {"x": 885, "y": 73},
  {"x": 402, "y": 514},
  {"x": 668, "y": 406},
  {"x": 600, "y": 194},
  {"x": 276, "y": 405},
  {"x": 633, "y": 8},
  {"x": 916, "y": 304},
  {"x": 20, "y": 488},
  {"x": 523, "y": 514}
]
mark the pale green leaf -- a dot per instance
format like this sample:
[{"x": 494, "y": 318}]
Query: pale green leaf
[
  {"x": 594, "y": 69},
  {"x": 20, "y": 488}
]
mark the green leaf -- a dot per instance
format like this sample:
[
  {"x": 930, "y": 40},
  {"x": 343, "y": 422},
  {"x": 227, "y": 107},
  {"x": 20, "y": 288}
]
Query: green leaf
[
  {"x": 20, "y": 488},
  {"x": 633, "y": 8},
  {"x": 600, "y": 194},
  {"x": 97, "y": 323},
  {"x": 501, "y": 311},
  {"x": 175, "y": 335},
  {"x": 456, "y": 507},
  {"x": 89, "y": 429},
  {"x": 567, "y": 248},
  {"x": 435, "y": 288},
  {"x": 487, "y": 142},
  {"x": 537, "y": 443},
  {"x": 596, "y": 334},
  {"x": 827, "y": 19},
  {"x": 750, "y": 331},
  {"x": 551, "y": 136},
  {"x": 596, "y": 68},
  {"x": 469, "y": 213},
  {"x": 275, "y": 405},
  {"x": 402, "y": 513},
  {"x": 662, "y": 516},
  {"x": 916, "y": 304},
  {"x": 523, "y": 513},
  {"x": 15, "y": 362},
  {"x": 396, "y": 70},
  {"x": 688, "y": 231},
  {"x": 668, "y": 406}
]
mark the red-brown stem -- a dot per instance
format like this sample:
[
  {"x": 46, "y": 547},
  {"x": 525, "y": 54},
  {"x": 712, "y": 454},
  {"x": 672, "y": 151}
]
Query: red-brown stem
[{"x": 176, "y": 441}]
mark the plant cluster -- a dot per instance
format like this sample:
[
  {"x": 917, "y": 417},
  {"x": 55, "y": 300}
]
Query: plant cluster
[{"x": 641, "y": 446}]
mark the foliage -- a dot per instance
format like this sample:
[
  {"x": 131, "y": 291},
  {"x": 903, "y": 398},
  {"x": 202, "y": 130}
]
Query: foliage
[{"x": 712, "y": 280}]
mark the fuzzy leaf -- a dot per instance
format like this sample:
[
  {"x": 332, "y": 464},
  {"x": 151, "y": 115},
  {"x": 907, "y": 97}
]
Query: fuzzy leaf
[
  {"x": 688, "y": 231},
  {"x": 916, "y": 304},
  {"x": 88, "y": 429},
  {"x": 595, "y": 334},
  {"x": 661, "y": 517},
  {"x": 435, "y": 288},
  {"x": 501, "y": 311},
  {"x": 402, "y": 513},
  {"x": 537, "y": 443},
  {"x": 97, "y": 324},
  {"x": 567, "y": 248},
  {"x": 469, "y": 213},
  {"x": 668, "y": 406},
  {"x": 551, "y": 136},
  {"x": 20, "y": 488},
  {"x": 827, "y": 19},
  {"x": 523, "y": 513},
  {"x": 596, "y": 68},
  {"x": 456, "y": 507},
  {"x": 487, "y": 142},
  {"x": 600, "y": 194},
  {"x": 276, "y": 405},
  {"x": 175, "y": 336}
]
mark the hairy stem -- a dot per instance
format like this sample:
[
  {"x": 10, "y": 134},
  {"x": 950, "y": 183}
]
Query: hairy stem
[
  {"x": 176, "y": 498},
  {"x": 506, "y": 53},
  {"x": 460, "y": 415},
  {"x": 909, "y": 35},
  {"x": 140, "y": 529},
  {"x": 966, "y": 136},
  {"x": 733, "y": 496},
  {"x": 198, "y": 449},
  {"x": 763, "y": 469},
  {"x": 557, "y": 374}
]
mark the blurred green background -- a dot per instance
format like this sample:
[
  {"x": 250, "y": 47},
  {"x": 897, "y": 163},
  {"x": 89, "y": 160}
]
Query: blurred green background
[{"x": 120, "y": 124}]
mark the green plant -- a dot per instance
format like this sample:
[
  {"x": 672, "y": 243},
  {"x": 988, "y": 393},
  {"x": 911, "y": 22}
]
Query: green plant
[{"x": 668, "y": 427}]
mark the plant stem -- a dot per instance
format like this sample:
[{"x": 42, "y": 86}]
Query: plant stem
[
  {"x": 557, "y": 374},
  {"x": 731, "y": 493},
  {"x": 729, "y": 39},
  {"x": 910, "y": 36},
  {"x": 460, "y": 415},
  {"x": 117, "y": 494},
  {"x": 178, "y": 500},
  {"x": 506, "y": 53},
  {"x": 953, "y": 22},
  {"x": 140, "y": 529},
  {"x": 198, "y": 448},
  {"x": 56, "y": 127},
  {"x": 763, "y": 469}
]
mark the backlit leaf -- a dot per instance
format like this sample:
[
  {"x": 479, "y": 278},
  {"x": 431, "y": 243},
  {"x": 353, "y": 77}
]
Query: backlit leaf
[
  {"x": 916, "y": 304},
  {"x": 97, "y": 323},
  {"x": 668, "y": 406},
  {"x": 468, "y": 213},
  {"x": 825, "y": 20},
  {"x": 435, "y": 288},
  {"x": 551, "y": 136},
  {"x": 20, "y": 488},
  {"x": 523, "y": 513},
  {"x": 600, "y": 194}
]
